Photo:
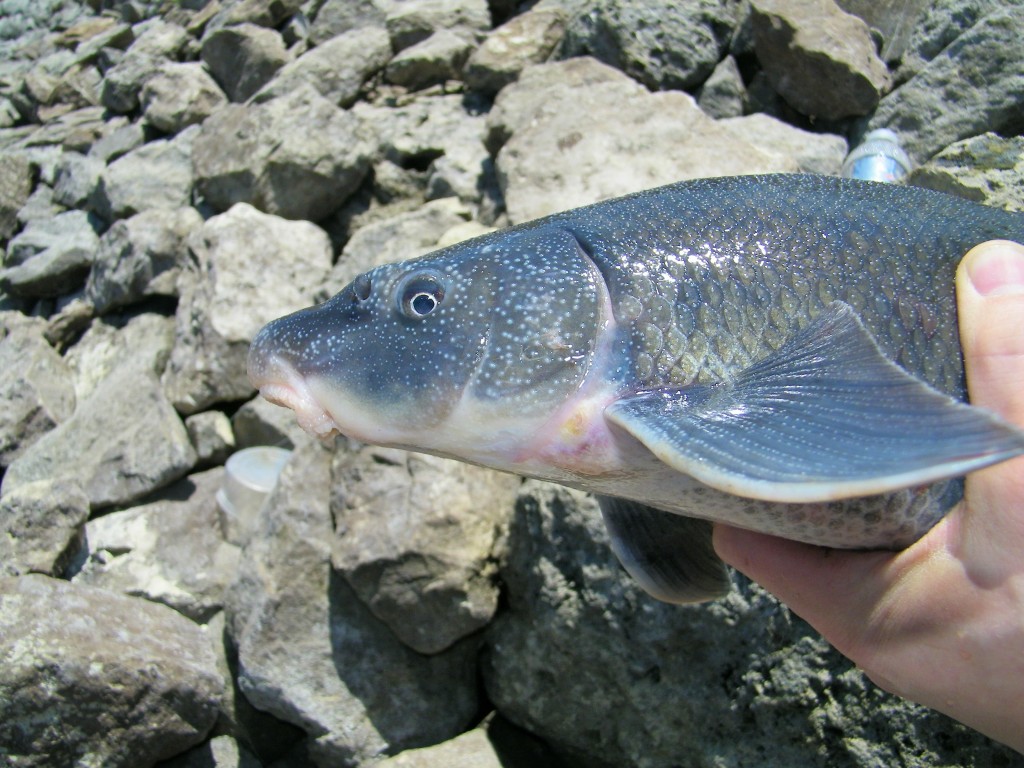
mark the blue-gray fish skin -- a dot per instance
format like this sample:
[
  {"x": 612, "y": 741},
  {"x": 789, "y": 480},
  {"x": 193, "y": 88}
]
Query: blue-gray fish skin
[{"x": 775, "y": 352}]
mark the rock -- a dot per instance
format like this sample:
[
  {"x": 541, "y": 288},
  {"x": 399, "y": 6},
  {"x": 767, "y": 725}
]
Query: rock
[
  {"x": 893, "y": 22},
  {"x": 51, "y": 256},
  {"x": 36, "y": 391},
  {"x": 342, "y": 676},
  {"x": 661, "y": 681},
  {"x": 297, "y": 156},
  {"x": 141, "y": 256},
  {"x": 218, "y": 752},
  {"x": 412, "y": 22},
  {"x": 247, "y": 268},
  {"x": 118, "y": 142},
  {"x": 116, "y": 447},
  {"x": 156, "y": 175},
  {"x": 77, "y": 177},
  {"x": 430, "y": 62},
  {"x": 259, "y": 422},
  {"x": 821, "y": 60},
  {"x": 635, "y": 140},
  {"x": 337, "y": 68},
  {"x": 415, "y": 537},
  {"x": 15, "y": 188},
  {"x": 973, "y": 86},
  {"x": 404, "y": 236},
  {"x": 180, "y": 95},
  {"x": 813, "y": 152},
  {"x": 90, "y": 677},
  {"x": 41, "y": 526},
  {"x": 661, "y": 43},
  {"x": 723, "y": 94},
  {"x": 156, "y": 47},
  {"x": 170, "y": 551},
  {"x": 529, "y": 38},
  {"x": 141, "y": 343},
  {"x": 336, "y": 17},
  {"x": 243, "y": 58},
  {"x": 211, "y": 436},
  {"x": 265, "y": 13},
  {"x": 987, "y": 169}
]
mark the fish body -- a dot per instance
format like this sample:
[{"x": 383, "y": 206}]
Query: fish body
[{"x": 774, "y": 352}]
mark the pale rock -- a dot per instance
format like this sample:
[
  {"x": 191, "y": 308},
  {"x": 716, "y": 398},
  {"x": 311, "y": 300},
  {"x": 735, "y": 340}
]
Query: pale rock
[
  {"x": 218, "y": 752},
  {"x": 211, "y": 436},
  {"x": 90, "y": 677},
  {"x": 118, "y": 142},
  {"x": 157, "y": 46},
  {"x": 722, "y": 94},
  {"x": 247, "y": 268},
  {"x": 15, "y": 189},
  {"x": 529, "y": 38},
  {"x": 243, "y": 58},
  {"x": 116, "y": 447},
  {"x": 180, "y": 95},
  {"x": 411, "y": 22},
  {"x": 432, "y": 61},
  {"x": 41, "y": 526},
  {"x": 821, "y": 60},
  {"x": 36, "y": 391},
  {"x": 141, "y": 256},
  {"x": 813, "y": 152},
  {"x": 337, "y": 68},
  {"x": 265, "y": 13},
  {"x": 170, "y": 551},
  {"x": 51, "y": 256},
  {"x": 76, "y": 179},
  {"x": 336, "y": 17}
]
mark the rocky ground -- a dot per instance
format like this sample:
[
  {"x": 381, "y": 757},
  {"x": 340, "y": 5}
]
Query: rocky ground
[{"x": 174, "y": 175}]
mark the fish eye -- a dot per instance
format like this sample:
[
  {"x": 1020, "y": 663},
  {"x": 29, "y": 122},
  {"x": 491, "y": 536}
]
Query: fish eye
[{"x": 419, "y": 294}]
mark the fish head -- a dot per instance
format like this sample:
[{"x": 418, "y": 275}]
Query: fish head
[{"x": 459, "y": 352}]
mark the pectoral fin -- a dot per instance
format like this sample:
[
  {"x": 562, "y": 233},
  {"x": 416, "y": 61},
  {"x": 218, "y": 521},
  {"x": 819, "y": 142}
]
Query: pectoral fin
[
  {"x": 669, "y": 555},
  {"x": 827, "y": 416}
]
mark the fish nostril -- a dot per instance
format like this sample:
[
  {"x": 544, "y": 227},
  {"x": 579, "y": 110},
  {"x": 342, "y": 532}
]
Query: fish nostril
[{"x": 361, "y": 287}]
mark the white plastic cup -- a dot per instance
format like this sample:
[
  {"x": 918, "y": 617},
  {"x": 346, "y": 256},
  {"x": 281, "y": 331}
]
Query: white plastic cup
[{"x": 249, "y": 477}]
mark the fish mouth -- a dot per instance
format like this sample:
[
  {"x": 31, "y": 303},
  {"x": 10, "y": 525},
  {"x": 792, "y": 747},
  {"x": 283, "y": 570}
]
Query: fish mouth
[{"x": 280, "y": 384}]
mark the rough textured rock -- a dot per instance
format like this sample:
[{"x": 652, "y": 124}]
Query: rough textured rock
[
  {"x": 416, "y": 537},
  {"x": 662, "y": 44},
  {"x": 331, "y": 18},
  {"x": 116, "y": 448},
  {"x": 170, "y": 551},
  {"x": 180, "y": 95},
  {"x": 243, "y": 58},
  {"x": 36, "y": 391},
  {"x": 988, "y": 169},
  {"x": 813, "y": 152},
  {"x": 337, "y": 68},
  {"x": 661, "y": 681},
  {"x": 974, "y": 85},
  {"x": 297, "y": 156},
  {"x": 412, "y": 22},
  {"x": 90, "y": 677},
  {"x": 141, "y": 256},
  {"x": 529, "y": 38},
  {"x": 639, "y": 140},
  {"x": 15, "y": 188},
  {"x": 211, "y": 436},
  {"x": 157, "y": 46},
  {"x": 820, "y": 59},
  {"x": 76, "y": 179},
  {"x": 341, "y": 676},
  {"x": 51, "y": 256},
  {"x": 430, "y": 62},
  {"x": 247, "y": 268},
  {"x": 41, "y": 526},
  {"x": 218, "y": 752},
  {"x": 723, "y": 94}
]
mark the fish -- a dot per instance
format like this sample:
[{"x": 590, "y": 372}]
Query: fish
[{"x": 775, "y": 352}]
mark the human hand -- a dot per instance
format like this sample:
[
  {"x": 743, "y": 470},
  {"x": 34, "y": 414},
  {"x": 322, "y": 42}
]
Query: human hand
[{"x": 942, "y": 622}]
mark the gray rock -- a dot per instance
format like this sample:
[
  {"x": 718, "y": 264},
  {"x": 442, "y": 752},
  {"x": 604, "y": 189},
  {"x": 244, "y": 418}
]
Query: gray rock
[
  {"x": 661, "y": 43},
  {"x": 118, "y": 142},
  {"x": 813, "y": 152},
  {"x": 141, "y": 256},
  {"x": 342, "y": 676},
  {"x": 170, "y": 552},
  {"x": 635, "y": 140},
  {"x": 41, "y": 526},
  {"x": 142, "y": 343},
  {"x": 259, "y": 422},
  {"x": 15, "y": 188},
  {"x": 411, "y": 22},
  {"x": 243, "y": 58},
  {"x": 821, "y": 60},
  {"x": 122, "y": 442},
  {"x": 529, "y": 38},
  {"x": 432, "y": 61},
  {"x": 180, "y": 95},
  {"x": 298, "y": 156},
  {"x": 472, "y": 749},
  {"x": 40, "y": 205},
  {"x": 987, "y": 169},
  {"x": 90, "y": 677},
  {"x": 736, "y": 682},
  {"x": 723, "y": 94},
  {"x": 77, "y": 179},
  {"x": 399, "y": 237},
  {"x": 337, "y": 68},
  {"x": 156, "y": 175},
  {"x": 218, "y": 752},
  {"x": 336, "y": 17},
  {"x": 51, "y": 256},
  {"x": 972, "y": 86},
  {"x": 211, "y": 436},
  {"x": 265, "y": 13},
  {"x": 894, "y": 22},
  {"x": 416, "y": 537},
  {"x": 157, "y": 46},
  {"x": 36, "y": 391},
  {"x": 247, "y": 268}
]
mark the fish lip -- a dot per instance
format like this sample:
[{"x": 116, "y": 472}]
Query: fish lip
[{"x": 282, "y": 385}]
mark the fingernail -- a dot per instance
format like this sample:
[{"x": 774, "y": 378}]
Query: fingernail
[{"x": 997, "y": 267}]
